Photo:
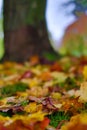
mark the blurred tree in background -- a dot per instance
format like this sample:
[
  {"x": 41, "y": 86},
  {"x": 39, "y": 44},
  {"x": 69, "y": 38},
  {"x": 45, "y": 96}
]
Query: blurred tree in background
[
  {"x": 25, "y": 31},
  {"x": 80, "y": 6},
  {"x": 76, "y": 33}
]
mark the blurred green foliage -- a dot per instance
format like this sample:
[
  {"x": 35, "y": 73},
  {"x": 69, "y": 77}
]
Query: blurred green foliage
[
  {"x": 78, "y": 48},
  {"x": 82, "y": 2},
  {"x": 51, "y": 56}
]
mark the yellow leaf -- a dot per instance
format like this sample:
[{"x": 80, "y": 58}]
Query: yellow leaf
[
  {"x": 31, "y": 107},
  {"x": 85, "y": 72},
  {"x": 38, "y": 116},
  {"x": 33, "y": 82},
  {"x": 56, "y": 95},
  {"x": 78, "y": 122},
  {"x": 83, "y": 92}
]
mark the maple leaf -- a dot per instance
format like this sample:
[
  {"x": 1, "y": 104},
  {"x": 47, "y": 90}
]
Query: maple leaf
[
  {"x": 20, "y": 125},
  {"x": 83, "y": 92},
  {"x": 78, "y": 122}
]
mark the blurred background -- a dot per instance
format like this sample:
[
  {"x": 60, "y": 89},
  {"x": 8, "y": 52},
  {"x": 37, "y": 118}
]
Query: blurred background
[{"x": 35, "y": 27}]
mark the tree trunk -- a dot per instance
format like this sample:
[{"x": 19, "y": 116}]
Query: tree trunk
[{"x": 22, "y": 39}]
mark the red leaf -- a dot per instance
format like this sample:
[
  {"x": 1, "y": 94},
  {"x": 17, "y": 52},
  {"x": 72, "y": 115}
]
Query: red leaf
[
  {"x": 2, "y": 127},
  {"x": 44, "y": 123}
]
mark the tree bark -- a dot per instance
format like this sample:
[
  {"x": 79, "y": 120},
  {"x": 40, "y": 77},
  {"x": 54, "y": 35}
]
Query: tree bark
[{"x": 22, "y": 39}]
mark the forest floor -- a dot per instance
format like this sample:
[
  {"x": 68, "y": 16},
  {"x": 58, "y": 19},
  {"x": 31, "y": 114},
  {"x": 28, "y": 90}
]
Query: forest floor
[{"x": 41, "y": 94}]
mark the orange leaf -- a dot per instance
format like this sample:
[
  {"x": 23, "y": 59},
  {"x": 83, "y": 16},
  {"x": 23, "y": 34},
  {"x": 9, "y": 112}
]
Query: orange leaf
[
  {"x": 56, "y": 67},
  {"x": 45, "y": 76},
  {"x": 78, "y": 122},
  {"x": 2, "y": 127},
  {"x": 44, "y": 123}
]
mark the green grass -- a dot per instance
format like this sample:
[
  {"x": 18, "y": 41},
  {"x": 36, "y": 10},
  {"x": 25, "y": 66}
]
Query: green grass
[
  {"x": 10, "y": 90},
  {"x": 57, "y": 117}
]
